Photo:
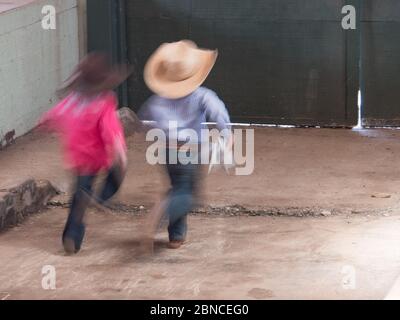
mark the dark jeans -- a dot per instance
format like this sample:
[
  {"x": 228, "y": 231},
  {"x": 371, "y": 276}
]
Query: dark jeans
[
  {"x": 181, "y": 197},
  {"x": 75, "y": 227}
]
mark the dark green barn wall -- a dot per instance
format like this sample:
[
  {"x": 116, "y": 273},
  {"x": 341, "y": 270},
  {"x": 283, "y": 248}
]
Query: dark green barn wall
[
  {"x": 281, "y": 61},
  {"x": 106, "y": 27},
  {"x": 381, "y": 62}
]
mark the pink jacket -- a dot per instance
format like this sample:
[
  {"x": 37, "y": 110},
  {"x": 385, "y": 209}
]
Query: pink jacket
[{"x": 90, "y": 130}]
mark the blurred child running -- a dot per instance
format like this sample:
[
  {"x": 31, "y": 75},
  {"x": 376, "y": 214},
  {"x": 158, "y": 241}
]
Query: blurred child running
[
  {"x": 175, "y": 73},
  {"x": 92, "y": 137}
]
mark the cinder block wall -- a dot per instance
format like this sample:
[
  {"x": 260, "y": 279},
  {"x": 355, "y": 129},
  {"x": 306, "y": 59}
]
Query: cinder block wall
[{"x": 34, "y": 62}]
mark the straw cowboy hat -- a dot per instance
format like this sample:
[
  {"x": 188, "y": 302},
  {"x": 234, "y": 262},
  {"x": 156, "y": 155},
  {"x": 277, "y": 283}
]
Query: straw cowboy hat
[{"x": 177, "y": 69}]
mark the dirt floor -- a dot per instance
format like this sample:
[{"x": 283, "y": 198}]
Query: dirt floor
[
  {"x": 260, "y": 257},
  {"x": 225, "y": 258},
  {"x": 327, "y": 168}
]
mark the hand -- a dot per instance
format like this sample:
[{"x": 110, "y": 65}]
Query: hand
[
  {"x": 121, "y": 153},
  {"x": 124, "y": 160}
]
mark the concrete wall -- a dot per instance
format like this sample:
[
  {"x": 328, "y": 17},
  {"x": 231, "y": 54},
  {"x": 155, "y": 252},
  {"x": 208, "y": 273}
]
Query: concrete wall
[{"x": 34, "y": 62}]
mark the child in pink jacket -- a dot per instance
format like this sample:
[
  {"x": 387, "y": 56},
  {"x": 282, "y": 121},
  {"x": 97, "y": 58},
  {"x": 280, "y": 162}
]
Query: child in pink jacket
[{"x": 92, "y": 137}]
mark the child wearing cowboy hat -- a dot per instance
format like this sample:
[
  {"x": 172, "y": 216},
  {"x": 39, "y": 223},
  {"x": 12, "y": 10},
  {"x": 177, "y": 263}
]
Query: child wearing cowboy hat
[
  {"x": 92, "y": 137},
  {"x": 175, "y": 73}
]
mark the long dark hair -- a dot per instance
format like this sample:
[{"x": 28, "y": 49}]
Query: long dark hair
[{"x": 94, "y": 74}]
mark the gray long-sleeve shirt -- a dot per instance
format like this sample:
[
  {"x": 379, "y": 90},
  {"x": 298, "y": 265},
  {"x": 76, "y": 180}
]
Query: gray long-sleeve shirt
[{"x": 190, "y": 112}]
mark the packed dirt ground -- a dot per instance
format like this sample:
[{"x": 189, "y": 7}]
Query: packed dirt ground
[
  {"x": 225, "y": 258},
  {"x": 349, "y": 177},
  {"x": 294, "y": 168}
]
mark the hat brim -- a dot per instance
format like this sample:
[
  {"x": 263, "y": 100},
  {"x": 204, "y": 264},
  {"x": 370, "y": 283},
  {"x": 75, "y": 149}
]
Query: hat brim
[
  {"x": 177, "y": 89},
  {"x": 116, "y": 77}
]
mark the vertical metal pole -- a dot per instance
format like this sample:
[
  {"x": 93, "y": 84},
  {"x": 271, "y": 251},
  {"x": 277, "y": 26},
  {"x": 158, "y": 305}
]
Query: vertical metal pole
[
  {"x": 360, "y": 12},
  {"x": 122, "y": 48},
  {"x": 353, "y": 65},
  {"x": 82, "y": 28}
]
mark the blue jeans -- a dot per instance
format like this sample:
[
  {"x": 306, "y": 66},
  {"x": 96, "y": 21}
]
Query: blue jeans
[
  {"x": 74, "y": 227},
  {"x": 181, "y": 197}
]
